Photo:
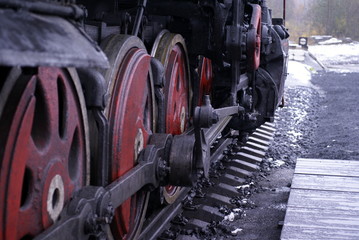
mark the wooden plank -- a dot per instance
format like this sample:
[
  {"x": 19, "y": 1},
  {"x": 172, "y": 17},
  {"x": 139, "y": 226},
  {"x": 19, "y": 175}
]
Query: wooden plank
[
  {"x": 329, "y": 161},
  {"x": 322, "y": 218},
  {"x": 328, "y": 167},
  {"x": 320, "y": 159},
  {"x": 327, "y": 183},
  {"x": 324, "y": 201},
  {"x": 302, "y": 198},
  {"x": 309, "y": 233}
]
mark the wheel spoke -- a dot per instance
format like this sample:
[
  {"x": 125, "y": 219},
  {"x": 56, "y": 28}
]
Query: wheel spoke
[
  {"x": 20, "y": 153},
  {"x": 35, "y": 182},
  {"x": 45, "y": 121}
]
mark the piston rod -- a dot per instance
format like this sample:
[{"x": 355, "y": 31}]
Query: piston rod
[{"x": 92, "y": 208}]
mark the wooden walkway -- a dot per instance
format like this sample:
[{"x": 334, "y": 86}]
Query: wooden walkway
[{"x": 324, "y": 201}]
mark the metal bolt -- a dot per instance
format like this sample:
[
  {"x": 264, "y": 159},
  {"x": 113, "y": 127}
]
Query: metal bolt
[{"x": 215, "y": 118}]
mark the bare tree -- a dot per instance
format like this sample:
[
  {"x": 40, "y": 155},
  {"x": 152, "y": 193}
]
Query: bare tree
[{"x": 339, "y": 18}]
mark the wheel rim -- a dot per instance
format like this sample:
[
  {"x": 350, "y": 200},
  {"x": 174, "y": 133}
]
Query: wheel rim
[
  {"x": 130, "y": 114},
  {"x": 44, "y": 160},
  {"x": 206, "y": 78},
  {"x": 171, "y": 50},
  {"x": 254, "y": 38},
  {"x": 176, "y": 92}
]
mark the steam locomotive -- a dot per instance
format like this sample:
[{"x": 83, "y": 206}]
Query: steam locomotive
[{"x": 107, "y": 104}]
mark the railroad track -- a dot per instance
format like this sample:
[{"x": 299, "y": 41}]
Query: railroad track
[{"x": 210, "y": 201}]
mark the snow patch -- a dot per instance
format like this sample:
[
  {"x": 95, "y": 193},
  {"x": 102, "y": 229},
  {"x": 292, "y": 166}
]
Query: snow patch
[
  {"x": 339, "y": 57},
  {"x": 331, "y": 41},
  {"x": 231, "y": 217},
  {"x": 236, "y": 231},
  {"x": 278, "y": 163},
  {"x": 299, "y": 74}
]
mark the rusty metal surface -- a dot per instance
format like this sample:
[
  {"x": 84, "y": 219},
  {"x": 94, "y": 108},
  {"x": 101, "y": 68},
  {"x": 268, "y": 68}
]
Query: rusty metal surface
[{"x": 28, "y": 39}]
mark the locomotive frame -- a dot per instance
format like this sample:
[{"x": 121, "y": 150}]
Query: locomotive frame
[{"x": 107, "y": 104}]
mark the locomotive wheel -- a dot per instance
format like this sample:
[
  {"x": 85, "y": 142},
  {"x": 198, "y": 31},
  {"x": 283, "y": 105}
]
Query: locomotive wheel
[
  {"x": 171, "y": 50},
  {"x": 130, "y": 114},
  {"x": 44, "y": 141},
  {"x": 206, "y": 78},
  {"x": 254, "y": 38}
]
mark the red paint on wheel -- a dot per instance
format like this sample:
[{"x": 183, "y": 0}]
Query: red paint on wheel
[
  {"x": 254, "y": 38},
  {"x": 130, "y": 112},
  {"x": 206, "y": 78},
  {"x": 39, "y": 124},
  {"x": 176, "y": 92}
]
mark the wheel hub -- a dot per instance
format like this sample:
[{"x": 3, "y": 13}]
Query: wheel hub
[{"x": 55, "y": 197}]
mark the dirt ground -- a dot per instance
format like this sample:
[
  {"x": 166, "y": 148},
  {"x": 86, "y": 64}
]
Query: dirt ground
[
  {"x": 337, "y": 133},
  {"x": 319, "y": 121}
]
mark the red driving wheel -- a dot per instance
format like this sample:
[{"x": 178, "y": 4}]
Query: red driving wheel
[
  {"x": 44, "y": 148},
  {"x": 130, "y": 114},
  {"x": 205, "y": 77},
  {"x": 171, "y": 50},
  {"x": 254, "y": 38}
]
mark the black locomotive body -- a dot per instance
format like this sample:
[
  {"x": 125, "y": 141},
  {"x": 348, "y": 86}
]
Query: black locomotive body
[{"x": 107, "y": 104}]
